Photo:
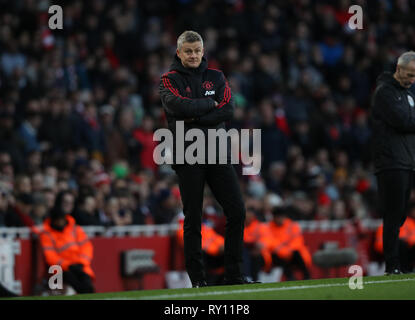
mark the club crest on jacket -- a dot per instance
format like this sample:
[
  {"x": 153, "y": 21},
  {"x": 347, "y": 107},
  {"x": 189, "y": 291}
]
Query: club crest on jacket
[
  {"x": 207, "y": 85},
  {"x": 411, "y": 101}
]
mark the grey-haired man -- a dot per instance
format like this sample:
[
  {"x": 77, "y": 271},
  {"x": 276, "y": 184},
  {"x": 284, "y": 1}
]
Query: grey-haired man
[{"x": 393, "y": 119}]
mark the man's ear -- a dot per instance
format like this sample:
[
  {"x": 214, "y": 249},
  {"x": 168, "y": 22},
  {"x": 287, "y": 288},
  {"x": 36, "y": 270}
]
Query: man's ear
[{"x": 177, "y": 52}]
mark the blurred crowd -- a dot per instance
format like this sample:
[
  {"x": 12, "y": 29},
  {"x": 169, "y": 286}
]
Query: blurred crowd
[{"x": 78, "y": 106}]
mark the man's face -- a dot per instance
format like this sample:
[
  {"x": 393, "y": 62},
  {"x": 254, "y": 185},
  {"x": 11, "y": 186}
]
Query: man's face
[
  {"x": 407, "y": 74},
  {"x": 191, "y": 54},
  {"x": 68, "y": 203}
]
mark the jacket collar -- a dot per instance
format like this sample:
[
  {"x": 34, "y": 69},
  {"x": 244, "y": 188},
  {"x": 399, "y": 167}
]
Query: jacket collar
[
  {"x": 387, "y": 77},
  {"x": 71, "y": 223},
  {"x": 177, "y": 66}
]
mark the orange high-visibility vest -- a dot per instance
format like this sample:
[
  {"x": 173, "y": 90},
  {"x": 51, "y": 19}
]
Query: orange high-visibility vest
[
  {"x": 258, "y": 233},
  {"x": 288, "y": 238},
  {"x": 378, "y": 245},
  {"x": 406, "y": 233},
  {"x": 212, "y": 242},
  {"x": 66, "y": 247}
]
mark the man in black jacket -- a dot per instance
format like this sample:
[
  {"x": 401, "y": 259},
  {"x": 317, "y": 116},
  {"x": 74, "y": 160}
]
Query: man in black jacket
[
  {"x": 201, "y": 98},
  {"x": 393, "y": 118}
]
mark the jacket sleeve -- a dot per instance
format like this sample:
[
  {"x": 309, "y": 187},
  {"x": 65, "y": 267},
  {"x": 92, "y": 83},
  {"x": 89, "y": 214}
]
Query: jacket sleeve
[
  {"x": 223, "y": 111},
  {"x": 393, "y": 111},
  {"x": 179, "y": 106}
]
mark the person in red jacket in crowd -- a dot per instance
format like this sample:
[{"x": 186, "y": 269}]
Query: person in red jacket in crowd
[
  {"x": 66, "y": 244},
  {"x": 213, "y": 251},
  {"x": 144, "y": 135},
  {"x": 257, "y": 238},
  {"x": 288, "y": 248},
  {"x": 406, "y": 241}
]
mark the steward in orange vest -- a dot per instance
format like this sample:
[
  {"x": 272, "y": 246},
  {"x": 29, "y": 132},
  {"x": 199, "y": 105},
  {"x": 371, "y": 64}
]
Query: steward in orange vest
[
  {"x": 66, "y": 244},
  {"x": 256, "y": 238},
  {"x": 287, "y": 247}
]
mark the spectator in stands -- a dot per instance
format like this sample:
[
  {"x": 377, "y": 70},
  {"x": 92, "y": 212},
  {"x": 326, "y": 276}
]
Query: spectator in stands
[
  {"x": 144, "y": 136},
  {"x": 40, "y": 209},
  {"x": 10, "y": 142},
  {"x": 125, "y": 214},
  {"x": 115, "y": 147},
  {"x": 287, "y": 246},
  {"x": 126, "y": 126},
  {"x": 23, "y": 185},
  {"x": 112, "y": 210},
  {"x": 50, "y": 196},
  {"x": 66, "y": 244},
  {"x": 19, "y": 215},
  {"x": 6, "y": 168},
  {"x": 140, "y": 190},
  {"x": 88, "y": 132},
  {"x": 165, "y": 208},
  {"x": 58, "y": 125},
  {"x": 37, "y": 180},
  {"x": 28, "y": 130},
  {"x": 86, "y": 214}
]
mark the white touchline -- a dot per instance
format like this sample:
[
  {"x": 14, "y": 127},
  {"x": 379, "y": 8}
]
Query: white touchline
[{"x": 217, "y": 293}]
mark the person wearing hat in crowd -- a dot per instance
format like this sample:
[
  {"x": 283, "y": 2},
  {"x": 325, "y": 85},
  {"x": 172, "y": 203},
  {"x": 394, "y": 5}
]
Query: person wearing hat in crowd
[
  {"x": 66, "y": 244},
  {"x": 287, "y": 245}
]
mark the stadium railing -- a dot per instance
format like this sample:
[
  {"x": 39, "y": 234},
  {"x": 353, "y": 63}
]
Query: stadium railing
[{"x": 170, "y": 229}]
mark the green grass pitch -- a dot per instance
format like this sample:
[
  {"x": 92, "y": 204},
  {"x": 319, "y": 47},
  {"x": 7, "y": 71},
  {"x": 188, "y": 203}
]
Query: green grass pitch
[{"x": 401, "y": 287}]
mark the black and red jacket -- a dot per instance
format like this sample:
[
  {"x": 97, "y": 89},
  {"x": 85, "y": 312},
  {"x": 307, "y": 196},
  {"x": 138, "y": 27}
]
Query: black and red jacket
[{"x": 190, "y": 94}]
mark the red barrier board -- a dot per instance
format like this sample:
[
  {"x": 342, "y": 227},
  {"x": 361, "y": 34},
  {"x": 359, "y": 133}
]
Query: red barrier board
[{"x": 107, "y": 260}]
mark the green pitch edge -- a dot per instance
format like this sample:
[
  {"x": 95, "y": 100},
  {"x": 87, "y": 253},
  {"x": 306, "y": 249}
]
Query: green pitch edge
[{"x": 401, "y": 287}]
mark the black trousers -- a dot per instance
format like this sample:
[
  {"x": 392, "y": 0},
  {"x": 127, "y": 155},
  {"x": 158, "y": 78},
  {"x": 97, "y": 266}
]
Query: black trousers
[
  {"x": 80, "y": 281},
  {"x": 253, "y": 263},
  {"x": 407, "y": 255},
  {"x": 394, "y": 190},
  {"x": 288, "y": 266},
  {"x": 224, "y": 184}
]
